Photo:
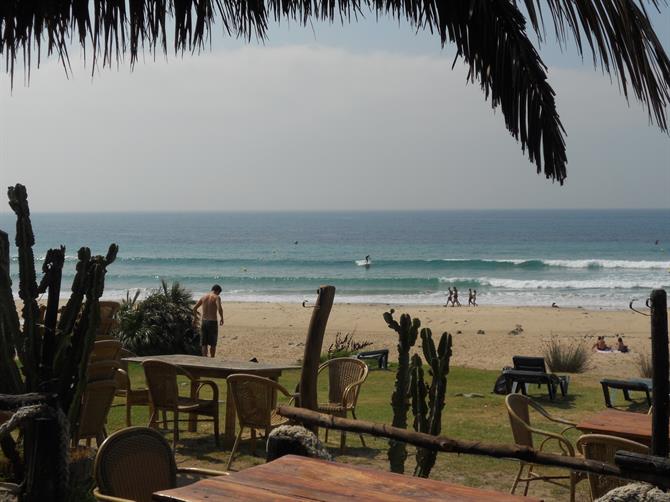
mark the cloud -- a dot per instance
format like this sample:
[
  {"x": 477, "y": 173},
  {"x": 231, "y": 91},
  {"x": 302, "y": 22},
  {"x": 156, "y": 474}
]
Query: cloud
[{"x": 309, "y": 127}]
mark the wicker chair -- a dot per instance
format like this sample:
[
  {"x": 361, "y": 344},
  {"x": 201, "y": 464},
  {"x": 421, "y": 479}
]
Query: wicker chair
[
  {"x": 95, "y": 404},
  {"x": 133, "y": 397},
  {"x": 135, "y": 462},
  {"x": 518, "y": 407},
  {"x": 601, "y": 447},
  {"x": 105, "y": 350},
  {"x": 102, "y": 370},
  {"x": 164, "y": 396},
  {"x": 255, "y": 400},
  {"x": 345, "y": 378},
  {"x": 107, "y": 321}
]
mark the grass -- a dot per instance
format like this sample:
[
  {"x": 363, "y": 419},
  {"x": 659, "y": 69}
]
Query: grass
[
  {"x": 644, "y": 365},
  {"x": 483, "y": 419}
]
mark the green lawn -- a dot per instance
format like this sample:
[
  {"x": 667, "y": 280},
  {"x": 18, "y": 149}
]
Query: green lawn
[{"x": 472, "y": 418}]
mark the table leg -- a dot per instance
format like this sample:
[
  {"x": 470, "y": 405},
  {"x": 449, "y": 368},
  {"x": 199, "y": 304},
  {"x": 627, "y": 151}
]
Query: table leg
[
  {"x": 231, "y": 416},
  {"x": 193, "y": 417}
]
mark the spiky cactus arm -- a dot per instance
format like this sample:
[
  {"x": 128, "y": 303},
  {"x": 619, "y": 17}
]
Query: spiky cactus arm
[
  {"x": 29, "y": 347},
  {"x": 10, "y": 329},
  {"x": 407, "y": 330},
  {"x": 418, "y": 392},
  {"x": 53, "y": 271},
  {"x": 438, "y": 360},
  {"x": 73, "y": 305}
]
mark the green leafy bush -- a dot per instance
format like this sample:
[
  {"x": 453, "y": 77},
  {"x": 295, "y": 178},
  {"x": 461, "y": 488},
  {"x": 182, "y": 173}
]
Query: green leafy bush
[
  {"x": 162, "y": 323},
  {"x": 568, "y": 357}
]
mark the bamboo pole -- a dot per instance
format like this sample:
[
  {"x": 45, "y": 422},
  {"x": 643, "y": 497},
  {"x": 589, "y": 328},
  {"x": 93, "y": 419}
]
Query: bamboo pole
[{"x": 445, "y": 444}]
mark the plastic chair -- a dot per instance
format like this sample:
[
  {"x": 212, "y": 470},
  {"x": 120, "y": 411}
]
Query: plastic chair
[
  {"x": 95, "y": 404},
  {"x": 345, "y": 378},
  {"x": 601, "y": 447},
  {"x": 518, "y": 407},
  {"x": 134, "y": 463},
  {"x": 255, "y": 400},
  {"x": 133, "y": 397},
  {"x": 164, "y": 396}
]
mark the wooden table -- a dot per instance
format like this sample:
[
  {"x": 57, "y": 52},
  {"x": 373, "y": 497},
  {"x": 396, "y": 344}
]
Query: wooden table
[
  {"x": 300, "y": 478},
  {"x": 625, "y": 424},
  {"x": 208, "y": 367}
]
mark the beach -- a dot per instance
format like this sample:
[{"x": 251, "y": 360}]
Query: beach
[{"x": 483, "y": 337}]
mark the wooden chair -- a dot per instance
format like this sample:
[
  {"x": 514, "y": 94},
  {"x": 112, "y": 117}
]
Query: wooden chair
[
  {"x": 102, "y": 370},
  {"x": 95, "y": 404},
  {"x": 164, "y": 396},
  {"x": 601, "y": 447},
  {"x": 135, "y": 462},
  {"x": 345, "y": 378},
  {"x": 105, "y": 350},
  {"x": 518, "y": 407},
  {"x": 133, "y": 397},
  {"x": 108, "y": 310},
  {"x": 255, "y": 400}
]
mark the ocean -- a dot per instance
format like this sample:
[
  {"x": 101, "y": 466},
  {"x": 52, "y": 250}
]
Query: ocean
[{"x": 592, "y": 259}]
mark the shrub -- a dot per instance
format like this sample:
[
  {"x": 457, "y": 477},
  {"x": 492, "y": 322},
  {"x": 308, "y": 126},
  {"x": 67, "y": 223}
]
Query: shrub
[
  {"x": 644, "y": 365},
  {"x": 162, "y": 323},
  {"x": 572, "y": 357},
  {"x": 344, "y": 346}
]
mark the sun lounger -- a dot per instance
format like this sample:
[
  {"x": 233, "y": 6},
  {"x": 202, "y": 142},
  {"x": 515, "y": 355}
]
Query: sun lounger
[
  {"x": 637, "y": 384},
  {"x": 532, "y": 370},
  {"x": 382, "y": 357}
]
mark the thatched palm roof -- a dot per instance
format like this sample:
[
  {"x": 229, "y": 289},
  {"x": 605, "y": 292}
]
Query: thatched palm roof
[{"x": 490, "y": 35}]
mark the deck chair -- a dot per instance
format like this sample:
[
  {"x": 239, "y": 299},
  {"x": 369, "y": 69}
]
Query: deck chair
[
  {"x": 255, "y": 400},
  {"x": 133, "y": 397},
  {"x": 601, "y": 447},
  {"x": 518, "y": 407},
  {"x": 105, "y": 350},
  {"x": 346, "y": 375},
  {"x": 95, "y": 404},
  {"x": 164, "y": 396},
  {"x": 135, "y": 462}
]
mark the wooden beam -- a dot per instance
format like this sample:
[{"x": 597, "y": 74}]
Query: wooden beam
[
  {"x": 313, "y": 345},
  {"x": 659, "y": 360},
  {"x": 446, "y": 444}
]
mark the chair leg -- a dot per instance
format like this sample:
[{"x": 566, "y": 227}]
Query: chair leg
[
  {"x": 152, "y": 419},
  {"x": 128, "y": 424},
  {"x": 326, "y": 435},
  {"x": 525, "y": 490},
  {"x": 175, "y": 433},
  {"x": 235, "y": 445},
  {"x": 573, "y": 483},
  {"x": 216, "y": 429},
  {"x": 253, "y": 441},
  {"x": 518, "y": 476},
  {"x": 343, "y": 441},
  {"x": 353, "y": 414}
]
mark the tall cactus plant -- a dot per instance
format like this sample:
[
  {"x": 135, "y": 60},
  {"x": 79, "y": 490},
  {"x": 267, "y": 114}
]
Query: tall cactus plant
[
  {"x": 411, "y": 388},
  {"x": 407, "y": 330},
  {"x": 53, "y": 355}
]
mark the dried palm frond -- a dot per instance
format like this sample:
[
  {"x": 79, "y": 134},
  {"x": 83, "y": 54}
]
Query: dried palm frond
[{"x": 490, "y": 35}]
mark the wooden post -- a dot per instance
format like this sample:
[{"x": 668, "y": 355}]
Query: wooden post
[
  {"x": 313, "y": 345},
  {"x": 659, "y": 360}
]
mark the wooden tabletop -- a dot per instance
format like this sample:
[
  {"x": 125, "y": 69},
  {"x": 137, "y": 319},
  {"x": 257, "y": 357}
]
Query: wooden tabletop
[
  {"x": 215, "y": 367},
  {"x": 300, "y": 478},
  {"x": 625, "y": 424}
]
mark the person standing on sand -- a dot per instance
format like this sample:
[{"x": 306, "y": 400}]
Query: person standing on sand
[
  {"x": 450, "y": 298},
  {"x": 454, "y": 301},
  {"x": 209, "y": 331},
  {"x": 470, "y": 297},
  {"x": 474, "y": 298}
]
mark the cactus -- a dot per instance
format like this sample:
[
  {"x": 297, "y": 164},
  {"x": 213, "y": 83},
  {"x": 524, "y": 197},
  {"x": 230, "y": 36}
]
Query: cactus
[
  {"x": 407, "y": 330},
  {"x": 53, "y": 356}
]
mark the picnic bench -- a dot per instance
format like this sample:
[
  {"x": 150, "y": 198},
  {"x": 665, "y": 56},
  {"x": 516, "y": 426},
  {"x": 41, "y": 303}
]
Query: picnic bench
[
  {"x": 381, "y": 355},
  {"x": 532, "y": 370},
  {"x": 627, "y": 386}
]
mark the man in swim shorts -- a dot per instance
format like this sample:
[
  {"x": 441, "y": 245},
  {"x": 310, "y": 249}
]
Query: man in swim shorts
[{"x": 209, "y": 330}]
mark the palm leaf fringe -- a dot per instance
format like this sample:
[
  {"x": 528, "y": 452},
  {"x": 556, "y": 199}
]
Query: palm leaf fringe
[{"x": 489, "y": 34}]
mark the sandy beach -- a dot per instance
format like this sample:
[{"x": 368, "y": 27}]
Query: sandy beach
[{"x": 483, "y": 336}]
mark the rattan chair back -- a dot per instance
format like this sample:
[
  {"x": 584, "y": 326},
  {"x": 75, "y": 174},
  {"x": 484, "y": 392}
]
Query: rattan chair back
[
  {"x": 255, "y": 398},
  {"x": 603, "y": 448},
  {"x": 102, "y": 370},
  {"x": 343, "y": 374},
  {"x": 108, "y": 310},
  {"x": 133, "y": 463},
  {"x": 162, "y": 382},
  {"x": 95, "y": 404},
  {"x": 105, "y": 350},
  {"x": 519, "y": 419}
]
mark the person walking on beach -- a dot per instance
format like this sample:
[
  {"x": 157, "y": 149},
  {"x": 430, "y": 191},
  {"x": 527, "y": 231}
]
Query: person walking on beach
[
  {"x": 470, "y": 297},
  {"x": 450, "y": 298},
  {"x": 454, "y": 301},
  {"x": 474, "y": 298},
  {"x": 209, "y": 331}
]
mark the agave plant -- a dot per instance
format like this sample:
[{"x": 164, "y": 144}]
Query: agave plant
[
  {"x": 490, "y": 35},
  {"x": 162, "y": 323}
]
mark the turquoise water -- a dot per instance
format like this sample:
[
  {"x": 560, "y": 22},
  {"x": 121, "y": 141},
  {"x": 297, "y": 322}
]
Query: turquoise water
[{"x": 574, "y": 258}]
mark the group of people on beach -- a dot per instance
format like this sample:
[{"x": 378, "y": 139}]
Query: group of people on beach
[
  {"x": 453, "y": 298},
  {"x": 601, "y": 345}
]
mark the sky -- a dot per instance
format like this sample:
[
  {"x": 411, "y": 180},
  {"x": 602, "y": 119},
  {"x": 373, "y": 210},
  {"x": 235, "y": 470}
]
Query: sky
[{"x": 369, "y": 116}]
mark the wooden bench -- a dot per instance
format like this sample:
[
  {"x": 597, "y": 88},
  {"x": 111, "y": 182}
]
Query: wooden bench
[
  {"x": 532, "y": 370},
  {"x": 382, "y": 357},
  {"x": 638, "y": 385}
]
